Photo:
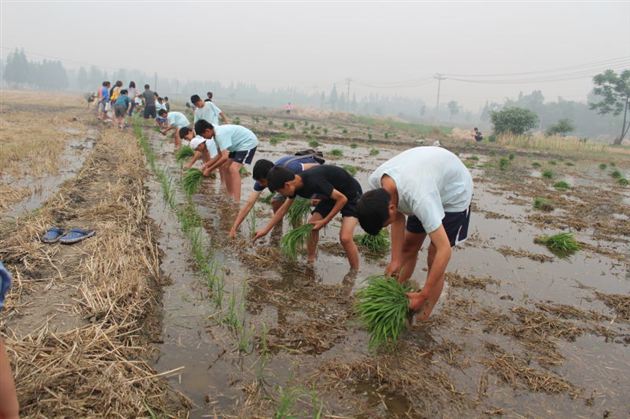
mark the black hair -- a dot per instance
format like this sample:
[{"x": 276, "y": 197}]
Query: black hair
[
  {"x": 132, "y": 84},
  {"x": 124, "y": 91},
  {"x": 475, "y": 128},
  {"x": 261, "y": 169},
  {"x": 146, "y": 86},
  {"x": 202, "y": 125},
  {"x": 162, "y": 112},
  {"x": 165, "y": 97},
  {"x": 118, "y": 83},
  {"x": 277, "y": 177},
  {"x": 184, "y": 132},
  {"x": 105, "y": 83},
  {"x": 194, "y": 99},
  {"x": 209, "y": 94},
  {"x": 156, "y": 94},
  {"x": 372, "y": 210}
]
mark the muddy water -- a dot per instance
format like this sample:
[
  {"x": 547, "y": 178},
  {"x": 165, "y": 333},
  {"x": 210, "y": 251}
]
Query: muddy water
[
  {"x": 214, "y": 370},
  {"x": 71, "y": 160}
]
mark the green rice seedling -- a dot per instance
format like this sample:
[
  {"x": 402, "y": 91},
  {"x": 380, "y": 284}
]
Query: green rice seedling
[
  {"x": 569, "y": 163},
  {"x": 369, "y": 136},
  {"x": 231, "y": 317},
  {"x": 552, "y": 162},
  {"x": 236, "y": 121},
  {"x": 267, "y": 199},
  {"x": 622, "y": 181},
  {"x": 270, "y": 123},
  {"x": 375, "y": 244},
  {"x": 612, "y": 164},
  {"x": 374, "y": 152},
  {"x": 244, "y": 341},
  {"x": 503, "y": 163},
  {"x": 547, "y": 174},
  {"x": 616, "y": 174},
  {"x": 192, "y": 181},
  {"x": 183, "y": 153},
  {"x": 305, "y": 131},
  {"x": 252, "y": 220},
  {"x": 243, "y": 171},
  {"x": 350, "y": 169},
  {"x": 294, "y": 240},
  {"x": 336, "y": 152},
  {"x": 561, "y": 185},
  {"x": 325, "y": 131},
  {"x": 383, "y": 306},
  {"x": 286, "y": 124},
  {"x": 299, "y": 211},
  {"x": 218, "y": 291},
  {"x": 562, "y": 244},
  {"x": 354, "y": 145},
  {"x": 543, "y": 204},
  {"x": 313, "y": 144},
  {"x": 312, "y": 127},
  {"x": 603, "y": 166},
  {"x": 535, "y": 165},
  {"x": 344, "y": 131},
  {"x": 386, "y": 135},
  {"x": 291, "y": 125},
  {"x": 475, "y": 158},
  {"x": 511, "y": 156}
]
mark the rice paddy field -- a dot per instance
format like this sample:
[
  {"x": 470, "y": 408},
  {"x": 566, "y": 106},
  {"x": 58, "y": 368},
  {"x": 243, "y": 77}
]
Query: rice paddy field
[{"x": 161, "y": 314}]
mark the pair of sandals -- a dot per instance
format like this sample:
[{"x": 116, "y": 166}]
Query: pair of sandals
[{"x": 74, "y": 235}]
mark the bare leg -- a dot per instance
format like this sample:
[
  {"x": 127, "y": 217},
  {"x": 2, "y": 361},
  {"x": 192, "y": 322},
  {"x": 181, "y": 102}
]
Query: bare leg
[
  {"x": 234, "y": 181},
  {"x": 411, "y": 247},
  {"x": 435, "y": 293},
  {"x": 346, "y": 238},
  {"x": 178, "y": 141},
  {"x": 9, "y": 407},
  {"x": 311, "y": 246}
]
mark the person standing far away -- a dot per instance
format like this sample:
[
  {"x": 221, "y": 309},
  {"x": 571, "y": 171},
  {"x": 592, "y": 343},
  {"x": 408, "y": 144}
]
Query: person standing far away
[
  {"x": 103, "y": 95},
  {"x": 166, "y": 104},
  {"x": 288, "y": 107},
  {"x": 149, "y": 102},
  {"x": 121, "y": 107},
  {"x": 208, "y": 111},
  {"x": 209, "y": 97},
  {"x": 132, "y": 93}
]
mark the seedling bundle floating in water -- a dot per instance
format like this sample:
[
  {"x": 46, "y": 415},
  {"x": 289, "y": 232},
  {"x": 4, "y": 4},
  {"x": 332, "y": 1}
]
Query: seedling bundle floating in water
[
  {"x": 383, "y": 306},
  {"x": 192, "y": 181},
  {"x": 184, "y": 153},
  {"x": 294, "y": 240},
  {"x": 562, "y": 245}
]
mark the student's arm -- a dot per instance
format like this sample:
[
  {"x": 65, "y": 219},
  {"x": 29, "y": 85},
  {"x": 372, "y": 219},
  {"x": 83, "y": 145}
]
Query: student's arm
[
  {"x": 244, "y": 211},
  {"x": 340, "y": 201},
  {"x": 193, "y": 159},
  {"x": 439, "y": 239},
  {"x": 171, "y": 127},
  {"x": 215, "y": 162},
  {"x": 398, "y": 237},
  {"x": 277, "y": 218},
  {"x": 223, "y": 118}
]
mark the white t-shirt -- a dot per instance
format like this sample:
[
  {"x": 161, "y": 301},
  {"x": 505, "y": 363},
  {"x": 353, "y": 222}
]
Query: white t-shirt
[
  {"x": 177, "y": 119},
  {"x": 430, "y": 181},
  {"x": 210, "y": 112}
]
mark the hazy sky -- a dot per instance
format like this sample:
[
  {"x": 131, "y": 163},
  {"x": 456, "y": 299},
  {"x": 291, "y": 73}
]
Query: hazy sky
[{"x": 310, "y": 46}]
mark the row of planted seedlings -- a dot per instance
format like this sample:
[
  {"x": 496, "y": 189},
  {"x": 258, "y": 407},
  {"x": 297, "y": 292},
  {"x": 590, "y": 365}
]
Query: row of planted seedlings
[{"x": 232, "y": 314}]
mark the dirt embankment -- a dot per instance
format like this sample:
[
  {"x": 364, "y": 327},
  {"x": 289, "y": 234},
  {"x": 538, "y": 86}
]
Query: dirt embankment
[{"x": 80, "y": 320}]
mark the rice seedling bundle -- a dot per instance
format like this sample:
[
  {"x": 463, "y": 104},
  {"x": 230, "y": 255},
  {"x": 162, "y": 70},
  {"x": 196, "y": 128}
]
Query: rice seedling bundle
[
  {"x": 623, "y": 181},
  {"x": 377, "y": 244},
  {"x": 562, "y": 245},
  {"x": 374, "y": 152},
  {"x": 547, "y": 174},
  {"x": 299, "y": 211},
  {"x": 536, "y": 164},
  {"x": 616, "y": 174},
  {"x": 336, "y": 152},
  {"x": 183, "y": 153},
  {"x": 294, "y": 240},
  {"x": 562, "y": 185},
  {"x": 192, "y": 181},
  {"x": 543, "y": 204},
  {"x": 383, "y": 306},
  {"x": 603, "y": 166},
  {"x": 350, "y": 169}
]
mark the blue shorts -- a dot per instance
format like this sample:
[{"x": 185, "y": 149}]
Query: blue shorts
[
  {"x": 5, "y": 283},
  {"x": 455, "y": 224},
  {"x": 243, "y": 157}
]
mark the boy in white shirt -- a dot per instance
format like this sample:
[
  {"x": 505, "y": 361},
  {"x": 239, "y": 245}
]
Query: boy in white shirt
[
  {"x": 174, "y": 121},
  {"x": 422, "y": 191},
  {"x": 207, "y": 111}
]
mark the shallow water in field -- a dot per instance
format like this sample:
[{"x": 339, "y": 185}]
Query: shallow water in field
[{"x": 306, "y": 311}]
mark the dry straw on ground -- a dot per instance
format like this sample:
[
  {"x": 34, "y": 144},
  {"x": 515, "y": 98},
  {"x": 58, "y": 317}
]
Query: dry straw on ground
[{"x": 83, "y": 317}]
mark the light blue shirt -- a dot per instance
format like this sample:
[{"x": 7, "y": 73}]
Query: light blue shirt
[
  {"x": 430, "y": 181},
  {"x": 210, "y": 112},
  {"x": 177, "y": 119},
  {"x": 235, "y": 138}
]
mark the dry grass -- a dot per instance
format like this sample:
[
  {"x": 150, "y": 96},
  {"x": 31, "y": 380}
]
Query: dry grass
[
  {"x": 516, "y": 371},
  {"x": 458, "y": 281},
  {"x": 618, "y": 302},
  {"x": 11, "y": 195},
  {"x": 106, "y": 290},
  {"x": 552, "y": 143}
]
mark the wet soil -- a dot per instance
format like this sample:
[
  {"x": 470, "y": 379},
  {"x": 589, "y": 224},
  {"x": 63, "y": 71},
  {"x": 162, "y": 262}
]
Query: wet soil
[{"x": 518, "y": 331}]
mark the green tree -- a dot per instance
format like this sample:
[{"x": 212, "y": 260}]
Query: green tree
[
  {"x": 513, "y": 120},
  {"x": 82, "y": 79},
  {"x": 613, "y": 92},
  {"x": 562, "y": 127},
  {"x": 453, "y": 108},
  {"x": 17, "y": 69}
]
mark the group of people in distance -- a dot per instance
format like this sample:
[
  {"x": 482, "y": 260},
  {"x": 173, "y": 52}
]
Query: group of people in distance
[
  {"x": 123, "y": 102},
  {"x": 423, "y": 191}
]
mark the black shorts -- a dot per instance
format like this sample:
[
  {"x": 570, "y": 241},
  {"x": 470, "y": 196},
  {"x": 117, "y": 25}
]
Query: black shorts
[
  {"x": 455, "y": 224},
  {"x": 149, "y": 111},
  {"x": 243, "y": 157},
  {"x": 120, "y": 111},
  {"x": 326, "y": 205}
]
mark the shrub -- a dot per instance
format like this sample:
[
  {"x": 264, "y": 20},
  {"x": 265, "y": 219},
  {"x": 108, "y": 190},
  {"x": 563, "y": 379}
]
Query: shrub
[
  {"x": 562, "y": 127},
  {"x": 513, "y": 120}
]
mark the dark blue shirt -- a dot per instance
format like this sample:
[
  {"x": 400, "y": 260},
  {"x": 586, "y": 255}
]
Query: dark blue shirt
[{"x": 294, "y": 166}]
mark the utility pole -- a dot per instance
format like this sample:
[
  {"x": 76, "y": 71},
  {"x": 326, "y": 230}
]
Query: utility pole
[
  {"x": 348, "y": 81},
  {"x": 155, "y": 82},
  {"x": 439, "y": 77}
]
